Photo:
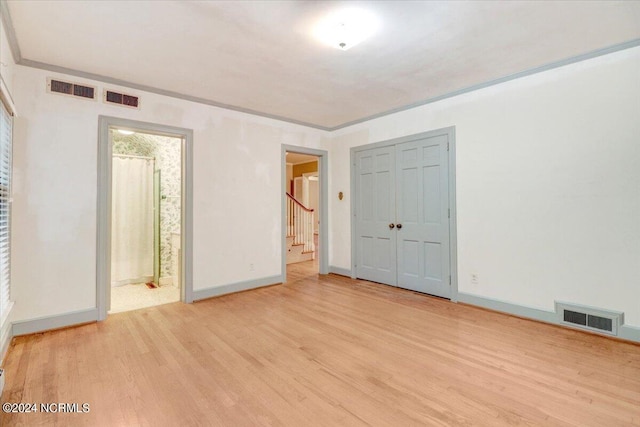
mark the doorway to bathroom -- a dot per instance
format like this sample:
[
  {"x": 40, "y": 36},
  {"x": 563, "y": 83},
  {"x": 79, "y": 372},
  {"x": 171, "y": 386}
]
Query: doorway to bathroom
[
  {"x": 145, "y": 219},
  {"x": 144, "y": 216}
]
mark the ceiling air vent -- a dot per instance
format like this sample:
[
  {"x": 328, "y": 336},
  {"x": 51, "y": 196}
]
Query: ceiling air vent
[
  {"x": 589, "y": 318},
  {"x": 112, "y": 97},
  {"x": 71, "y": 89}
]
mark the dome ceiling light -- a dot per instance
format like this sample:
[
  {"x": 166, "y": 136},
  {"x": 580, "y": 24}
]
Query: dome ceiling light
[{"x": 343, "y": 29}]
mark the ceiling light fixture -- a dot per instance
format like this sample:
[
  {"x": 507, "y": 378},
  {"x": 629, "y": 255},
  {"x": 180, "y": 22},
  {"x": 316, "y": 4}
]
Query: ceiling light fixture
[
  {"x": 126, "y": 132},
  {"x": 346, "y": 28}
]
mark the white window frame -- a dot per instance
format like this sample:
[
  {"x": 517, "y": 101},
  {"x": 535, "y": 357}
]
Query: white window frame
[{"x": 7, "y": 106}]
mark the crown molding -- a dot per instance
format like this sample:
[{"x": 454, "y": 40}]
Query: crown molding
[
  {"x": 18, "y": 59},
  {"x": 550, "y": 66},
  {"x": 5, "y": 16}
]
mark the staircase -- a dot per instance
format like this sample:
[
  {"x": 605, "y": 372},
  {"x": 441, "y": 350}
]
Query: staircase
[{"x": 300, "y": 227}]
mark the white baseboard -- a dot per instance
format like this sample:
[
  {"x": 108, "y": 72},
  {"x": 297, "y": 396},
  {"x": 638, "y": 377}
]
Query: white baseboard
[
  {"x": 85, "y": 316},
  {"x": 626, "y": 332},
  {"x": 54, "y": 322},
  {"x": 143, "y": 279},
  {"x": 340, "y": 271},
  {"x": 506, "y": 307},
  {"x": 215, "y": 291},
  {"x": 631, "y": 333},
  {"x": 166, "y": 281}
]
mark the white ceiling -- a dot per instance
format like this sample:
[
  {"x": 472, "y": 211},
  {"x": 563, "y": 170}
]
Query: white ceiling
[
  {"x": 261, "y": 56},
  {"x": 296, "y": 158}
]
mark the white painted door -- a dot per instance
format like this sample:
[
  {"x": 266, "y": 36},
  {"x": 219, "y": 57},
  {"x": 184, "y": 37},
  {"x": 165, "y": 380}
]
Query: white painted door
[
  {"x": 402, "y": 215},
  {"x": 422, "y": 215},
  {"x": 375, "y": 212},
  {"x": 314, "y": 203}
]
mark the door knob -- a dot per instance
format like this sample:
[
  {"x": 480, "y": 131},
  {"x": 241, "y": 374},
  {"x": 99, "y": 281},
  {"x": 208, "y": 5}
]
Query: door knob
[
  {"x": 391, "y": 225},
  {"x": 399, "y": 226}
]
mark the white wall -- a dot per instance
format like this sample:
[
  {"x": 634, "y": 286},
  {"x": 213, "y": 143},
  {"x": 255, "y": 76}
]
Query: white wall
[
  {"x": 237, "y": 191},
  {"x": 548, "y": 184},
  {"x": 6, "y": 59},
  {"x": 289, "y": 178}
]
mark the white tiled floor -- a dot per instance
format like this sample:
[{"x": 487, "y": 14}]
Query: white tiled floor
[{"x": 138, "y": 295}]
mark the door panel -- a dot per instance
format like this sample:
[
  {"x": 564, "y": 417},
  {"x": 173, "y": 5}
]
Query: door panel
[
  {"x": 433, "y": 261},
  {"x": 375, "y": 210},
  {"x": 422, "y": 195}
]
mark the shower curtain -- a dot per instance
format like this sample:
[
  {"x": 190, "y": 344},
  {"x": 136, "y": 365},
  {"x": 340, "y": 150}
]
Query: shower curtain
[{"x": 132, "y": 220}]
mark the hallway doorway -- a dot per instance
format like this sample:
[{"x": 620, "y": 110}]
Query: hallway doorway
[
  {"x": 303, "y": 214},
  {"x": 304, "y": 199}
]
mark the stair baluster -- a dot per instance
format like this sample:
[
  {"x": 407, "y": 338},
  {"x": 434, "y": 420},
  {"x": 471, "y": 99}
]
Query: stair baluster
[{"x": 300, "y": 225}]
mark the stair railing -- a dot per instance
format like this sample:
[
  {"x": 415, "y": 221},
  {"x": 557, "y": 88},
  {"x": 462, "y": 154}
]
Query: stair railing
[{"x": 300, "y": 223}]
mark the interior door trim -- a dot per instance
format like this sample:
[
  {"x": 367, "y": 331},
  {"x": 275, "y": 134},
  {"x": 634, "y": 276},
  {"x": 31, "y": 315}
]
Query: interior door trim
[
  {"x": 103, "y": 205},
  {"x": 453, "y": 236}
]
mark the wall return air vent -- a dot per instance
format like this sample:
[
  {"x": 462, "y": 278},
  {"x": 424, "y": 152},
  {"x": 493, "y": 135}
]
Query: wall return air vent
[
  {"x": 113, "y": 97},
  {"x": 70, "y": 89},
  {"x": 589, "y": 318}
]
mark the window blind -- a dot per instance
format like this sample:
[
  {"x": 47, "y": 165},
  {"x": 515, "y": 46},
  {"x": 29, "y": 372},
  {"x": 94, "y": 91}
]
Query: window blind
[{"x": 6, "y": 129}]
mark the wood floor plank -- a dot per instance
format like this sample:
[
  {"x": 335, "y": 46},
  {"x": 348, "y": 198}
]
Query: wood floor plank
[{"x": 323, "y": 350}]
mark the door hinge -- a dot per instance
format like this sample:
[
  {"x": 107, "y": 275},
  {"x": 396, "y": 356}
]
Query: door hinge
[
  {"x": 447, "y": 146},
  {"x": 449, "y": 280},
  {"x": 449, "y": 213}
]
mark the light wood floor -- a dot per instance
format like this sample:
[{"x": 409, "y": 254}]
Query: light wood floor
[{"x": 324, "y": 351}]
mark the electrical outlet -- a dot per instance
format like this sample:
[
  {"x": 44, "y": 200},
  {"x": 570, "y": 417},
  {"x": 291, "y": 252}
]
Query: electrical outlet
[
  {"x": 474, "y": 278},
  {"x": 250, "y": 267}
]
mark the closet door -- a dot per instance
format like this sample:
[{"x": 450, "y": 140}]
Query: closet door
[
  {"x": 422, "y": 229},
  {"x": 375, "y": 214}
]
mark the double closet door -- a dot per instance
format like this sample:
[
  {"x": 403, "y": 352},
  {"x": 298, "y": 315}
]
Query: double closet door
[{"x": 402, "y": 215}]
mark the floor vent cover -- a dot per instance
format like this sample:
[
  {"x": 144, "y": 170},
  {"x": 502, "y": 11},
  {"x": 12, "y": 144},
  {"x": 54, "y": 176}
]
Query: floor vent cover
[
  {"x": 589, "y": 318},
  {"x": 72, "y": 89},
  {"x": 112, "y": 97}
]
